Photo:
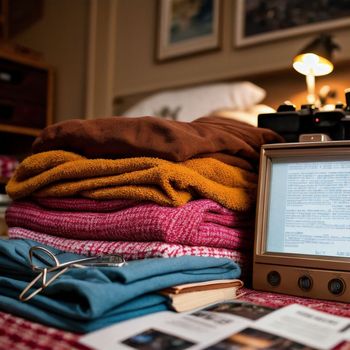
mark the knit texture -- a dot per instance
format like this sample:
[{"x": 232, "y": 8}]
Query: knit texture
[
  {"x": 276, "y": 300},
  {"x": 131, "y": 250},
  {"x": 200, "y": 222},
  {"x": 17, "y": 333},
  {"x": 122, "y": 137},
  {"x": 64, "y": 174}
]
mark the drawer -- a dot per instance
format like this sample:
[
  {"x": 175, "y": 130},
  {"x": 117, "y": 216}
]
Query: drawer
[{"x": 26, "y": 93}]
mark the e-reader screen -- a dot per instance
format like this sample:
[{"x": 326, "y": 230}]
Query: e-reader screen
[{"x": 309, "y": 207}]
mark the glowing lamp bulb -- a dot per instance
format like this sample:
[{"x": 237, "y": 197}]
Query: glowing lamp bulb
[{"x": 312, "y": 64}]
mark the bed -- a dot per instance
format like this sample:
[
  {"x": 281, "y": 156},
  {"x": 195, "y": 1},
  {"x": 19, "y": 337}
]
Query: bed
[
  {"x": 19, "y": 334},
  {"x": 279, "y": 85}
]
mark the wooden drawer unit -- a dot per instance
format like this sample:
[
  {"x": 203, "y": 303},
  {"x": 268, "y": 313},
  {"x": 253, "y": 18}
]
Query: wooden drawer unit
[{"x": 26, "y": 88}]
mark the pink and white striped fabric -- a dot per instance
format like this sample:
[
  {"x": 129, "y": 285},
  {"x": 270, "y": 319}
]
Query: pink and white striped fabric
[
  {"x": 198, "y": 223},
  {"x": 130, "y": 250}
]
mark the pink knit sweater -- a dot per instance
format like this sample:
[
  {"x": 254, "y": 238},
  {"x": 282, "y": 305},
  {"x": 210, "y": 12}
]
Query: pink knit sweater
[
  {"x": 198, "y": 223},
  {"x": 130, "y": 250}
]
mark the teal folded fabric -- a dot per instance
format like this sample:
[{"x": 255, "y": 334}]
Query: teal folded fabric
[{"x": 83, "y": 300}]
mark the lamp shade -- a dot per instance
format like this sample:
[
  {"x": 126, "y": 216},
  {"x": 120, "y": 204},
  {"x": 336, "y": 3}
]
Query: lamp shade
[{"x": 316, "y": 58}]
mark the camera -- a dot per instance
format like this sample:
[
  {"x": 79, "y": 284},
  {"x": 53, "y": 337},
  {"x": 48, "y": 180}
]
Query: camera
[{"x": 309, "y": 123}]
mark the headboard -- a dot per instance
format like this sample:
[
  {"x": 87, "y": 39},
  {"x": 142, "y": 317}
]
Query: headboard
[{"x": 280, "y": 85}]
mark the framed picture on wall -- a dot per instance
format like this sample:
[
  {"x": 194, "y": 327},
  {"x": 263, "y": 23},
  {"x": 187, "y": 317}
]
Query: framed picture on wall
[
  {"x": 186, "y": 27},
  {"x": 259, "y": 21}
]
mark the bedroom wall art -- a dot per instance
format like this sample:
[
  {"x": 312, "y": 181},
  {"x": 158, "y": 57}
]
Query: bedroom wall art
[
  {"x": 186, "y": 27},
  {"x": 259, "y": 21}
]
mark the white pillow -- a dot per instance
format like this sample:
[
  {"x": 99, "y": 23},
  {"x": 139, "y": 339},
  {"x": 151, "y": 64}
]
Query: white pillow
[
  {"x": 249, "y": 116},
  {"x": 191, "y": 103}
]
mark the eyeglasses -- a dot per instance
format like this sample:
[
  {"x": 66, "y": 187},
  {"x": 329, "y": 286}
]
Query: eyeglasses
[{"x": 43, "y": 254}]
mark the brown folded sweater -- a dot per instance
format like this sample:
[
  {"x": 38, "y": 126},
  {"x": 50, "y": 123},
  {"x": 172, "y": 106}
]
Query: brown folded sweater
[
  {"x": 123, "y": 137},
  {"x": 64, "y": 174}
]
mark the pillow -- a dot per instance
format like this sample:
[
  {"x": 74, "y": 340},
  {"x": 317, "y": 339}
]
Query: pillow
[
  {"x": 249, "y": 116},
  {"x": 191, "y": 103}
]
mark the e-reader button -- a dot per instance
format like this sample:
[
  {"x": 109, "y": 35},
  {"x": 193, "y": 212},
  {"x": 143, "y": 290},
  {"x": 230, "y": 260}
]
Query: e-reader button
[
  {"x": 274, "y": 278},
  {"x": 305, "y": 282},
  {"x": 336, "y": 286}
]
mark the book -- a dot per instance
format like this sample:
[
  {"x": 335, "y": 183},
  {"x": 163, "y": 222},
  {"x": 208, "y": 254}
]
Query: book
[{"x": 190, "y": 296}]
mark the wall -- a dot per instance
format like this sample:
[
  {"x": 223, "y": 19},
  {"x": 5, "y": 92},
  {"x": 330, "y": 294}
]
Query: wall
[
  {"x": 61, "y": 35},
  {"x": 124, "y": 49},
  {"x": 136, "y": 70},
  {"x": 101, "y": 58}
]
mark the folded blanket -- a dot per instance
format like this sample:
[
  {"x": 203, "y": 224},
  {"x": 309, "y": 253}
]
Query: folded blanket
[
  {"x": 85, "y": 299},
  {"x": 130, "y": 250},
  {"x": 199, "y": 222},
  {"x": 122, "y": 137},
  {"x": 64, "y": 174}
]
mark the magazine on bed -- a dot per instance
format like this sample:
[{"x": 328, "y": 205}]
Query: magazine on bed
[{"x": 228, "y": 325}]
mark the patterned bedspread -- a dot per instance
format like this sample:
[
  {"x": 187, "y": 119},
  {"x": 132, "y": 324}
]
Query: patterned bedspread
[
  {"x": 279, "y": 300},
  {"x": 19, "y": 334}
]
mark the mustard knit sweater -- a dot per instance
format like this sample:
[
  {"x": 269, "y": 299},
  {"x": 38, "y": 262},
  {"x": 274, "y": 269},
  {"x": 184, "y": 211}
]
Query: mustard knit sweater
[{"x": 65, "y": 174}]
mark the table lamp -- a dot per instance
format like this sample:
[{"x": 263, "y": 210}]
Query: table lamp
[{"x": 315, "y": 60}]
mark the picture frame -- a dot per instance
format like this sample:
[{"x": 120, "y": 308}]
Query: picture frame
[
  {"x": 261, "y": 21},
  {"x": 187, "y": 27}
]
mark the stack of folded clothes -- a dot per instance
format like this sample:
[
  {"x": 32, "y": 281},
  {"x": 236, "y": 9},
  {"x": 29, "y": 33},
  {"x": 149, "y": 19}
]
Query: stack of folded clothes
[{"x": 141, "y": 187}]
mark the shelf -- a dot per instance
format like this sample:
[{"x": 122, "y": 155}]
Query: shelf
[
  {"x": 26, "y": 101},
  {"x": 20, "y": 130},
  {"x": 27, "y": 95}
]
